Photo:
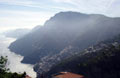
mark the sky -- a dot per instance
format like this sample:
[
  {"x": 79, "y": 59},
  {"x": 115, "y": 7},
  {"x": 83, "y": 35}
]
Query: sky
[{"x": 29, "y": 13}]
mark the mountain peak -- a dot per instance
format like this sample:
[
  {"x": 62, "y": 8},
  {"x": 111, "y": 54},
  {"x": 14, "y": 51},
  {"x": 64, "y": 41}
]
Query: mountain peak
[{"x": 69, "y": 14}]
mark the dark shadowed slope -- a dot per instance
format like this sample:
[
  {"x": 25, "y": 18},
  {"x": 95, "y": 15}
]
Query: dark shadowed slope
[{"x": 98, "y": 61}]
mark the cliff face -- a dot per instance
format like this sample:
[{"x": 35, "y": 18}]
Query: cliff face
[{"x": 63, "y": 35}]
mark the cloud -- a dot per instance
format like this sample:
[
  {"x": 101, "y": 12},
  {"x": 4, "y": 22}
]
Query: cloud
[
  {"x": 29, "y": 13},
  {"x": 24, "y": 19},
  {"x": 114, "y": 9},
  {"x": 81, "y": 5},
  {"x": 17, "y": 2},
  {"x": 89, "y": 6},
  {"x": 86, "y": 6}
]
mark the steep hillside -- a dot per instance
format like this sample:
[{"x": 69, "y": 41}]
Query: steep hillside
[
  {"x": 63, "y": 35},
  {"x": 98, "y": 61},
  {"x": 62, "y": 30}
]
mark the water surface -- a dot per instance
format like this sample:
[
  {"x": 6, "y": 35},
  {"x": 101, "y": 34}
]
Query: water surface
[{"x": 14, "y": 60}]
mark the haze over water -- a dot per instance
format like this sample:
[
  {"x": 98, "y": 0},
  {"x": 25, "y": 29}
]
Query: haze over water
[{"x": 14, "y": 60}]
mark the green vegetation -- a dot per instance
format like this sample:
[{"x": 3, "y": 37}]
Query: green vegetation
[{"x": 5, "y": 73}]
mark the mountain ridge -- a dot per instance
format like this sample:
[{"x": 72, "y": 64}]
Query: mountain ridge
[{"x": 63, "y": 36}]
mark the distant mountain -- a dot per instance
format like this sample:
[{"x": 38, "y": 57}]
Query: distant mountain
[
  {"x": 63, "y": 35},
  {"x": 98, "y": 61},
  {"x": 17, "y": 33}
]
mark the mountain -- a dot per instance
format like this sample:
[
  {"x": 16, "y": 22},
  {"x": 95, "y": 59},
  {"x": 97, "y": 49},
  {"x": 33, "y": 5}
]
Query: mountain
[
  {"x": 98, "y": 61},
  {"x": 17, "y": 33},
  {"x": 36, "y": 28},
  {"x": 64, "y": 35}
]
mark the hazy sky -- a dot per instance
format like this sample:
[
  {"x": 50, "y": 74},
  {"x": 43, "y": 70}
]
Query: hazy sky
[{"x": 29, "y": 13}]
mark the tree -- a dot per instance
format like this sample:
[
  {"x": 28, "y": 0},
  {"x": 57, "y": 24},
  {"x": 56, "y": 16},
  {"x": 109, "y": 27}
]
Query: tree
[
  {"x": 4, "y": 71},
  {"x": 3, "y": 62}
]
